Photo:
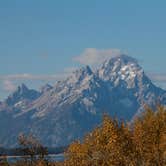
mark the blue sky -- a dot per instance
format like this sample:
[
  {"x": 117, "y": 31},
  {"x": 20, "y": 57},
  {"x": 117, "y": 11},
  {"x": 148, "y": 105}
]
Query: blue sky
[{"x": 39, "y": 39}]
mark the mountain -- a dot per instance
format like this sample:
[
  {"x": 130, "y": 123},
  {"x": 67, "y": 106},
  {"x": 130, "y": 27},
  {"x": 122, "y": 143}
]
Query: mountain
[
  {"x": 21, "y": 97},
  {"x": 66, "y": 111},
  {"x": 46, "y": 88}
]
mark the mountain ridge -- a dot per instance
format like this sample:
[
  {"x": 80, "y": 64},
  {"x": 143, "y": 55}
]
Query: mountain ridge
[{"x": 72, "y": 107}]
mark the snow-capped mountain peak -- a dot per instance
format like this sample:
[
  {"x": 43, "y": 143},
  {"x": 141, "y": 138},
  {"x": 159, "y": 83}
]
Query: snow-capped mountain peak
[
  {"x": 22, "y": 89},
  {"x": 120, "y": 69},
  {"x": 22, "y": 93}
]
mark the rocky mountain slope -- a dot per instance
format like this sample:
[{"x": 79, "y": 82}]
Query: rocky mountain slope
[{"x": 66, "y": 111}]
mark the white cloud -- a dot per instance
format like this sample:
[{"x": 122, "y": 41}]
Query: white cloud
[
  {"x": 93, "y": 56},
  {"x": 38, "y": 77},
  {"x": 8, "y": 85},
  {"x": 33, "y": 77}
]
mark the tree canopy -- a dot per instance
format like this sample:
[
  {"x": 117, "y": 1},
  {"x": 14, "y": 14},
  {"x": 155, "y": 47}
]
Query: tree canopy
[{"x": 114, "y": 143}]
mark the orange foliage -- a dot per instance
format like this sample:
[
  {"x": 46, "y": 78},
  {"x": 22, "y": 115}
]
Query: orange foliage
[{"x": 117, "y": 144}]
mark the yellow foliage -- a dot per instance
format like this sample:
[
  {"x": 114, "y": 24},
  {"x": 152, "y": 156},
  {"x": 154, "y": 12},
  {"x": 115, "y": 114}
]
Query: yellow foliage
[
  {"x": 117, "y": 144},
  {"x": 149, "y": 134}
]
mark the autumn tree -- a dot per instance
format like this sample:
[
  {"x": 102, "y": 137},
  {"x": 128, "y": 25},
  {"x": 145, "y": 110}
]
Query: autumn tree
[
  {"x": 32, "y": 147},
  {"x": 109, "y": 145},
  {"x": 114, "y": 143},
  {"x": 149, "y": 134}
]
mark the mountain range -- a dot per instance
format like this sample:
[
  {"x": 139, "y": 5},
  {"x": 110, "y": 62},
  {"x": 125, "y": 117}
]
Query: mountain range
[{"x": 72, "y": 107}]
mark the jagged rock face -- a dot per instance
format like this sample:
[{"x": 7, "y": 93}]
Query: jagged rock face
[
  {"x": 74, "y": 106},
  {"x": 121, "y": 70},
  {"x": 46, "y": 88},
  {"x": 22, "y": 93}
]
